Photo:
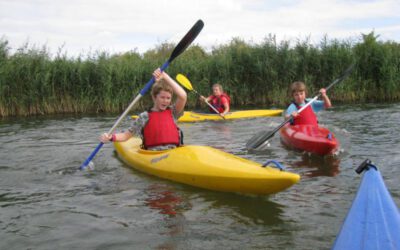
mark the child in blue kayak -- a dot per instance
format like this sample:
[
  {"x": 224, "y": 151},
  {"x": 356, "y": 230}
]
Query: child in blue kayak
[
  {"x": 158, "y": 126},
  {"x": 307, "y": 116}
]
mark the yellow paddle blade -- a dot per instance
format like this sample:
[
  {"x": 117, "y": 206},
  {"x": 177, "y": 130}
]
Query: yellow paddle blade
[{"x": 184, "y": 81}]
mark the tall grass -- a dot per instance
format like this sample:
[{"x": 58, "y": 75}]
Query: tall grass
[{"x": 32, "y": 81}]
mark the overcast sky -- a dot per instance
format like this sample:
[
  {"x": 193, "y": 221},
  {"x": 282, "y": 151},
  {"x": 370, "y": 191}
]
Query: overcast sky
[{"x": 117, "y": 26}]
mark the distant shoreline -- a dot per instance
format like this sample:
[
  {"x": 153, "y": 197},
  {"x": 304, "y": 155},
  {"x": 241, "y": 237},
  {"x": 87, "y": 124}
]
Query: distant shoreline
[{"x": 258, "y": 75}]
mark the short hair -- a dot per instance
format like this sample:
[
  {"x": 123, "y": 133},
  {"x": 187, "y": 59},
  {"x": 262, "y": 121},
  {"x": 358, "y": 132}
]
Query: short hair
[
  {"x": 159, "y": 86},
  {"x": 219, "y": 86},
  {"x": 297, "y": 87}
]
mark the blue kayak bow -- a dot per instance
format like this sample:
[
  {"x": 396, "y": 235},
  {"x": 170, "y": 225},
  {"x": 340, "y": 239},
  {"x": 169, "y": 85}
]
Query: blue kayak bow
[{"x": 373, "y": 221}]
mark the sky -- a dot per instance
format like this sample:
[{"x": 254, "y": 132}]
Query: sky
[{"x": 118, "y": 26}]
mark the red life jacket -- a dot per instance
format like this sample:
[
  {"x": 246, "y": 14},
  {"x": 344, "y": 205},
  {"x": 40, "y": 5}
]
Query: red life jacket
[
  {"x": 160, "y": 129},
  {"x": 305, "y": 117},
  {"x": 216, "y": 102}
]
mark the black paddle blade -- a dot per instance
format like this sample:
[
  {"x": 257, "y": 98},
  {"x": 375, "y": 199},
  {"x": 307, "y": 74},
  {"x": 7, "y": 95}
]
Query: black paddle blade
[
  {"x": 187, "y": 39},
  {"x": 259, "y": 139},
  {"x": 343, "y": 76},
  {"x": 347, "y": 72}
]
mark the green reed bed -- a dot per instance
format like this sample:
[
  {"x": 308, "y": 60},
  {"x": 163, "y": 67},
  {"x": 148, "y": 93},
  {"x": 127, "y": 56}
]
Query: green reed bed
[{"x": 32, "y": 81}]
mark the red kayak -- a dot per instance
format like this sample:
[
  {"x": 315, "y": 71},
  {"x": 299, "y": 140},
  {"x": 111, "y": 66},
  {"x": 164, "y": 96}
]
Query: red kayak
[{"x": 309, "y": 138}]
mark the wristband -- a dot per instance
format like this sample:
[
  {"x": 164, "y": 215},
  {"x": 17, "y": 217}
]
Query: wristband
[{"x": 113, "y": 138}]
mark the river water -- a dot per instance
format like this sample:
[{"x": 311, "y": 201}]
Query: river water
[{"x": 46, "y": 203}]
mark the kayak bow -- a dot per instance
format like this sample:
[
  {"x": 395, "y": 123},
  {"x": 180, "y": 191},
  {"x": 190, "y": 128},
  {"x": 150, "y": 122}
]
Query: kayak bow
[
  {"x": 309, "y": 138},
  {"x": 373, "y": 221}
]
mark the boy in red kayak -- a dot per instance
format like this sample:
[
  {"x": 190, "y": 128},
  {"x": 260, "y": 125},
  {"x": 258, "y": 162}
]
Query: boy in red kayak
[
  {"x": 158, "y": 126},
  {"x": 307, "y": 116},
  {"x": 219, "y": 100}
]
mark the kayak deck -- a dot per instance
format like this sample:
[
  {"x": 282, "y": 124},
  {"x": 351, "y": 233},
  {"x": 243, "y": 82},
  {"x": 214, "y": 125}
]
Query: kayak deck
[
  {"x": 190, "y": 116},
  {"x": 206, "y": 167},
  {"x": 309, "y": 138}
]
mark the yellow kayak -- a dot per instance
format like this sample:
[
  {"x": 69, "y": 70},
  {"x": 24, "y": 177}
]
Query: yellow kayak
[
  {"x": 190, "y": 116},
  {"x": 206, "y": 167}
]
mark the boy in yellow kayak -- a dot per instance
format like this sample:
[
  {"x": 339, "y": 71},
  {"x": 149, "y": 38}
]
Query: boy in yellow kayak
[{"x": 158, "y": 126}]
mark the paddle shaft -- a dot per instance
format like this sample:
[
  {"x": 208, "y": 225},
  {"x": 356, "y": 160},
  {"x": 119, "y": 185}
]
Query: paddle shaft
[{"x": 182, "y": 45}]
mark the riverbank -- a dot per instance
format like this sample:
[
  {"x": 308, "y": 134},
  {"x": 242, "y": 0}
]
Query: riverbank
[{"x": 34, "y": 82}]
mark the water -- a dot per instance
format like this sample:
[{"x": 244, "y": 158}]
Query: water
[{"x": 46, "y": 203}]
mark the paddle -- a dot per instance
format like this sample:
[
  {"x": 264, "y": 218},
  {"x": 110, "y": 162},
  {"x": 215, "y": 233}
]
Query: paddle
[
  {"x": 182, "y": 45},
  {"x": 262, "y": 137},
  {"x": 186, "y": 83}
]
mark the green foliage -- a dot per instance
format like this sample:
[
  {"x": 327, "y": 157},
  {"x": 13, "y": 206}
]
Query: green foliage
[{"x": 32, "y": 81}]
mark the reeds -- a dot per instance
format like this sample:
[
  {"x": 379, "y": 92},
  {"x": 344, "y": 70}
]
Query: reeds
[{"x": 32, "y": 81}]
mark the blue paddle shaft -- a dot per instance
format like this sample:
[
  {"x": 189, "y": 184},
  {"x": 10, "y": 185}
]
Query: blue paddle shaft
[{"x": 91, "y": 156}]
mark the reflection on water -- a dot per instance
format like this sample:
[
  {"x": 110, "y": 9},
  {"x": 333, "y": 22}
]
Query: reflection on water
[
  {"x": 162, "y": 198},
  {"x": 167, "y": 202},
  {"x": 314, "y": 165},
  {"x": 249, "y": 210}
]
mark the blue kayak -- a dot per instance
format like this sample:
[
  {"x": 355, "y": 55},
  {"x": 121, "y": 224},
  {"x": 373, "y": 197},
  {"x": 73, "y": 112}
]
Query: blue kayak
[{"x": 373, "y": 221}]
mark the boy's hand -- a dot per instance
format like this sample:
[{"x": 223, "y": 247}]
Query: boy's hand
[
  {"x": 104, "y": 138},
  {"x": 327, "y": 102},
  {"x": 158, "y": 74}
]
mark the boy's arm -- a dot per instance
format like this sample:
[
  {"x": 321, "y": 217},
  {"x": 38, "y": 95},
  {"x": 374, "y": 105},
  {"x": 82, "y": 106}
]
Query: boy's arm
[
  {"x": 325, "y": 98},
  {"x": 104, "y": 138},
  {"x": 178, "y": 90},
  {"x": 205, "y": 99},
  {"x": 135, "y": 129},
  {"x": 181, "y": 95},
  {"x": 290, "y": 111}
]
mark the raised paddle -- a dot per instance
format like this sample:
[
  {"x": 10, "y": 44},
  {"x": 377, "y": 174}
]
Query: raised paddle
[
  {"x": 187, "y": 85},
  {"x": 182, "y": 45},
  {"x": 261, "y": 138}
]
